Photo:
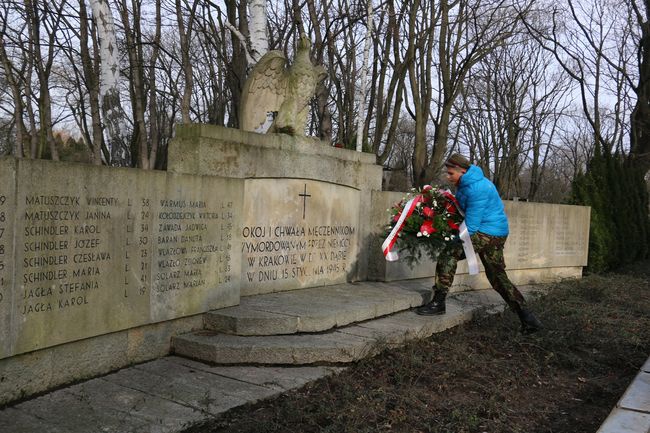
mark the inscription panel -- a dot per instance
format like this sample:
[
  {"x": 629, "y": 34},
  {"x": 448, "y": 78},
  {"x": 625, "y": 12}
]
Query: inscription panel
[
  {"x": 526, "y": 246},
  {"x": 571, "y": 236},
  {"x": 95, "y": 248},
  {"x": 297, "y": 233},
  {"x": 546, "y": 235},
  {"x": 67, "y": 241},
  {"x": 193, "y": 235},
  {"x": 7, "y": 206}
]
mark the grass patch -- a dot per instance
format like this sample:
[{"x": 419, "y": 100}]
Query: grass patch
[{"x": 483, "y": 376}]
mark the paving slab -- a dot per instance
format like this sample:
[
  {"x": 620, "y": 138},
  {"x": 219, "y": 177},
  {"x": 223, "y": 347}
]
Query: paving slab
[
  {"x": 243, "y": 321},
  {"x": 276, "y": 378},
  {"x": 626, "y": 421},
  {"x": 637, "y": 395},
  {"x": 158, "y": 414},
  {"x": 77, "y": 411},
  {"x": 316, "y": 309},
  {"x": 166, "y": 395},
  {"x": 18, "y": 421},
  {"x": 273, "y": 349},
  {"x": 197, "y": 389}
]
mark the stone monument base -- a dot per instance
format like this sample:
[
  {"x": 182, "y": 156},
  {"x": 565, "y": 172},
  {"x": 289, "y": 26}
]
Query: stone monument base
[{"x": 32, "y": 373}]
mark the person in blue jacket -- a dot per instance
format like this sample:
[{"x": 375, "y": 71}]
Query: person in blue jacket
[{"x": 487, "y": 225}]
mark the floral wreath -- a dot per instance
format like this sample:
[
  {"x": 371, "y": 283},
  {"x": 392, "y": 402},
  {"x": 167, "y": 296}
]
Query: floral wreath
[{"x": 425, "y": 221}]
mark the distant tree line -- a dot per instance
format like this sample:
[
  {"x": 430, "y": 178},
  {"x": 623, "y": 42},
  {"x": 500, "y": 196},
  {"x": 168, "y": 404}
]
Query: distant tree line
[{"x": 527, "y": 88}]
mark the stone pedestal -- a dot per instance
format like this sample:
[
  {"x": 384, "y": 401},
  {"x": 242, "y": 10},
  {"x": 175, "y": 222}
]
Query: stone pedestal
[{"x": 278, "y": 168}]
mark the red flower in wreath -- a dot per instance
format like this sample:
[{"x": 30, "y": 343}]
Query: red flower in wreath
[
  {"x": 396, "y": 217},
  {"x": 452, "y": 225},
  {"x": 427, "y": 228},
  {"x": 428, "y": 212},
  {"x": 450, "y": 207}
]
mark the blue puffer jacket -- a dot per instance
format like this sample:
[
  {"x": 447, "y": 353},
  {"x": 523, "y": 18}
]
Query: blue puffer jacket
[{"x": 483, "y": 207}]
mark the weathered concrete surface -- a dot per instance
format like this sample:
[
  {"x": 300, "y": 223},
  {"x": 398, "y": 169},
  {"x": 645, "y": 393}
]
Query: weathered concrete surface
[
  {"x": 35, "y": 372},
  {"x": 166, "y": 395},
  {"x": 625, "y": 421},
  {"x": 217, "y": 151},
  {"x": 7, "y": 217},
  {"x": 338, "y": 346},
  {"x": 316, "y": 309},
  {"x": 297, "y": 233},
  {"x": 90, "y": 260},
  {"x": 637, "y": 395}
]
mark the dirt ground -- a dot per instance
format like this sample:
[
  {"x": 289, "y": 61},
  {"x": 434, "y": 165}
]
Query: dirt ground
[{"x": 484, "y": 376}]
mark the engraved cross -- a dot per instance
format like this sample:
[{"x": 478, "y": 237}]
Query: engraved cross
[{"x": 304, "y": 196}]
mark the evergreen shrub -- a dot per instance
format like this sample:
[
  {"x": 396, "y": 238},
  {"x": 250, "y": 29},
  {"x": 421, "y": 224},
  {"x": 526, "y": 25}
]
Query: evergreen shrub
[{"x": 620, "y": 224}]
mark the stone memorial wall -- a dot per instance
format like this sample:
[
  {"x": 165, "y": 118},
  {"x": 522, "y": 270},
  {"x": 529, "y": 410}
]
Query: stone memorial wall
[
  {"x": 102, "y": 249},
  {"x": 547, "y": 242},
  {"x": 297, "y": 233},
  {"x": 100, "y": 266},
  {"x": 7, "y": 209}
]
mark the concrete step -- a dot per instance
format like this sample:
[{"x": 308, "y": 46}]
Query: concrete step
[
  {"x": 317, "y": 309},
  {"x": 346, "y": 344}
]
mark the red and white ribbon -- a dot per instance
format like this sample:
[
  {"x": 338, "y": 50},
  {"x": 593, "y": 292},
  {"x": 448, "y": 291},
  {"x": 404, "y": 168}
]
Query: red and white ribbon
[{"x": 386, "y": 247}]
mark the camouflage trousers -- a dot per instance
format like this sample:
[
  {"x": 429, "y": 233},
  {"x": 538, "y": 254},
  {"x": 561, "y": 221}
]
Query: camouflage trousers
[{"x": 490, "y": 250}]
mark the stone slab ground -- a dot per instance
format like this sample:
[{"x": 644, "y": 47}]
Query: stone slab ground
[{"x": 171, "y": 393}]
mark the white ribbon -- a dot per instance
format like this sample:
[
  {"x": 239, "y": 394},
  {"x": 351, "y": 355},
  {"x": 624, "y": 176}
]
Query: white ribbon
[{"x": 470, "y": 255}]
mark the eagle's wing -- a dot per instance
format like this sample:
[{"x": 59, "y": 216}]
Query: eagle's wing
[{"x": 263, "y": 91}]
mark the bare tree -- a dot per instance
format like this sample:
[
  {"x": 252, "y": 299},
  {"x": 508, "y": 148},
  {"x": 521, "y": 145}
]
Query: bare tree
[
  {"x": 14, "y": 68},
  {"x": 640, "y": 117},
  {"x": 390, "y": 66},
  {"x": 508, "y": 114},
  {"x": 465, "y": 34},
  {"x": 110, "y": 101},
  {"x": 591, "y": 42}
]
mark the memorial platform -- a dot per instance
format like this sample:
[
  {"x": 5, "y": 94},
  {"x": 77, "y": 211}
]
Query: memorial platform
[{"x": 334, "y": 324}]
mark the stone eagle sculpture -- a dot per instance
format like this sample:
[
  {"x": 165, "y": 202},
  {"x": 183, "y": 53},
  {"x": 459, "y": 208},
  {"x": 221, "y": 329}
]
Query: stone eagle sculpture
[{"x": 274, "y": 87}]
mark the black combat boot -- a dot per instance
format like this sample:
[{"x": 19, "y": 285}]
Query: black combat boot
[
  {"x": 529, "y": 323},
  {"x": 435, "y": 307}
]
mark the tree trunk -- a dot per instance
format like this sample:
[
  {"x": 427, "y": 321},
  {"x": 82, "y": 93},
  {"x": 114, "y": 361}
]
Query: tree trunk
[
  {"x": 364, "y": 79},
  {"x": 21, "y": 130},
  {"x": 640, "y": 117},
  {"x": 154, "y": 137},
  {"x": 109, "y": 95},
  {"x": 43, "y": 68},
  {"x": 257, "y": 24},
  {"x": 185, "y": 34},
  {"x": 92, "y": 85},
  {"x": 322, "y": 90}
]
